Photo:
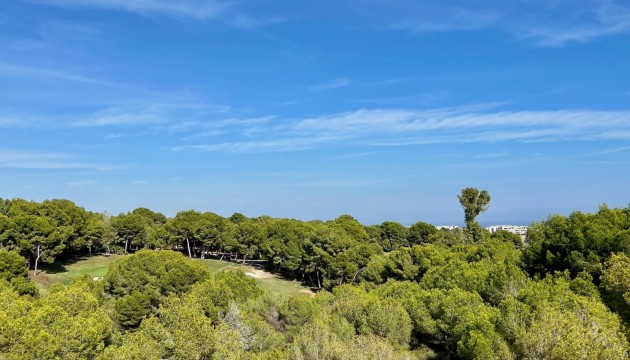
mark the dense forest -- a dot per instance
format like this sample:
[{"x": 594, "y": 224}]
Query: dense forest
[{"x": 383, "y": 291}]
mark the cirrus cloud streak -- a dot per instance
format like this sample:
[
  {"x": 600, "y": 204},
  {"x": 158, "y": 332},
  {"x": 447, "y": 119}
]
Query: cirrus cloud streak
[{"x": 398, "y": 127}]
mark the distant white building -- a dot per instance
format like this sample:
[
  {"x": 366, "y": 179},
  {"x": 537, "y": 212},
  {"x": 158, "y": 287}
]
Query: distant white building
[
  {"x": 447, "y": 227},
  {"x": 514, "y": 229}
]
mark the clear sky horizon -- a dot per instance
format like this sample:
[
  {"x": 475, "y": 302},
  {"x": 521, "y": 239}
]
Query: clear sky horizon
[{"x": 383, "y": 110}]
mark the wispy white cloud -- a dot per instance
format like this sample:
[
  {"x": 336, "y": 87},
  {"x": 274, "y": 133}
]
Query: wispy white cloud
[
  {"x": 193, "y": 119},
  {"x": 356, "y": 155},
  {"x": 16, "y": 120},
  {"x": 247, "y": 125},
  {"x": 610, "y": 151},
  {"x": 393, "y": 81},
  {"x": 402, "y": 127},
  {"x": 598, "y": 19},
  {"x": 445, "y": 17},
  {"x": 200, "y": 9},
  {"x": 99, "y": 106},
  {"x": 117, "y": 135},
  {"x": 585, "y": 21},
  {"x": 545, "y": 23},
  {"x": 259, "y": 146},
  {"x": 81, "y": 183},
  {"x": 491, "y": 155},
  {"x": 170, "y": 116},
  {"x": 414, "y": 99},
  {"x": 331, "y": 84},
  {"x": 124, "y": 116},
  {"x": 53, "y": 74},
  {"x": 21, "y": 159},
  {"x": 26, "y": 159},
  {"x": 386, "y": 121}
]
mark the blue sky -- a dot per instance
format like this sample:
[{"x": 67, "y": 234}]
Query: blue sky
[{"x": 381, "y": 109}]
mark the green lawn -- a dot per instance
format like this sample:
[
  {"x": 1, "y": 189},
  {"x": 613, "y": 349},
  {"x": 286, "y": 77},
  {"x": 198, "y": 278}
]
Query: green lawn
[
  {"x": 269, "y": 282},
  {"x": 96, "y": 266},
  {"x": 65, "y": 272}
]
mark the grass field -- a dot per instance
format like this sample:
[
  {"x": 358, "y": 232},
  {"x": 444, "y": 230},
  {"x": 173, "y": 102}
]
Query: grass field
[
  {"x": 269, "y": 282},
  {"x": 96, "y": 266},
  {"x": 65, "y": 272}
]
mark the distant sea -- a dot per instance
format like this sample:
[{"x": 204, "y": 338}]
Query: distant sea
[
  {"x": 484, "y": 223},
  {"x": 506, "y": 222}
]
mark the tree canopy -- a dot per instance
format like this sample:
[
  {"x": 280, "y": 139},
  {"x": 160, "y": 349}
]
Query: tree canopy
[{"x": 383, "y": 291}]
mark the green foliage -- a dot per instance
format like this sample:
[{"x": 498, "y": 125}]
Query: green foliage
[
  {"x": 616, "y": 283},
  {"x": 298, "y": 310},
  {"x": 585, "y": 331},
  {"x": 13, "y": 270},
  {"x": 490, "y": 268},
  {"x": 12, "y": 265},
  {"x": 432, "y": 294},
  {"x": 508, "y": 237},
  {"x": 282, "y": 243},
  {"x": 192, "y": 336},
  {"x": 137, "y": 346},
  {"x": 565, "y": 323},
  {"x": 462, "y": 320},
  {"x": 408, "y": 263},
  {"x": 24, "y": 286},
  {"x": 65, "y": 324},
  {"x": 583, "y": 285},
  {"x": 474, "y": 202},
  {"x": 132, "y": 309},
  {"x": 130, "y": 228},
  {"x": 445, "y": 237},
  {"x": 393, "y": 235},
  {"x": 241, "y": 287},
  {"x": 217, "y": 292},
  {"x": 351, "y": 227},
  {"x": 153, "y": 273},
  {"x": 371, "y": 315},
  {"x": 420, "y": 232},
  {"x": 578, "y": 243},
  {"x": 313, "y": 342}
]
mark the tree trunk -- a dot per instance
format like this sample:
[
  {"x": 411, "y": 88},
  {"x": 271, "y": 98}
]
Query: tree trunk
[
  {"x": 319, "y": 284},
  {"x": 39, "y": 254},
  {"x": 126, "y": 242},
  {"x": 90, "y": 250},
  {"x": 244, "y": 257},
  {"x": 203, "y": 251},
  {"x": 188, "y": 244},
  {"x": 354, "y": 278}
]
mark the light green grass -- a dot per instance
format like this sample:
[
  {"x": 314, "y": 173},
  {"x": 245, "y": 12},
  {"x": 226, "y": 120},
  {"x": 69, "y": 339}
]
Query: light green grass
[
  {"x": 96, "y": 266},
  {"x": 283, "y": 287},
  {"x": 270, "y": 283},
  {"x": 216, "y": 265}
]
